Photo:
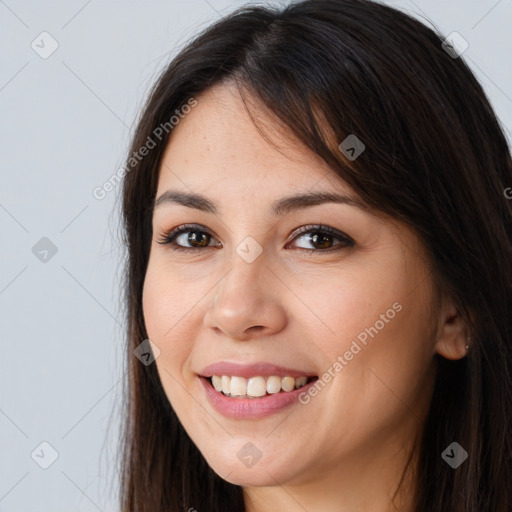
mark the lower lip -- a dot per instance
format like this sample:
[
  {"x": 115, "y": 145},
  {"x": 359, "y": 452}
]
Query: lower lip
[{"x": 251, "y": 408}]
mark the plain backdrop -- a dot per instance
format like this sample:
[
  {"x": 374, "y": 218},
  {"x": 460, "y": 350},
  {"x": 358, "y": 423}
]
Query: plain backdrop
[{"x": 66, "y": 123}]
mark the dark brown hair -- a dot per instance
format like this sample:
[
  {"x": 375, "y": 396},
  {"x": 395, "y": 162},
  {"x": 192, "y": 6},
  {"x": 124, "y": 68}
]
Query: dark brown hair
[{"x": 436, "y": 158}]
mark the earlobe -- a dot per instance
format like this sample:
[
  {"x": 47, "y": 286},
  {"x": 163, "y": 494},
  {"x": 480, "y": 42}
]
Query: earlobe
[
  {"x": 452, "y": 348},
  {"x": 452, "y": 341}
]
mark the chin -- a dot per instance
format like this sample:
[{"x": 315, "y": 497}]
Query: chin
[
  {"x": 265, "y": 473},
  {"x": 250, "y": 477}
]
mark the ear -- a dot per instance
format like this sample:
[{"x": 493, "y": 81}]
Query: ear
[{"x": 452, "y": 337}]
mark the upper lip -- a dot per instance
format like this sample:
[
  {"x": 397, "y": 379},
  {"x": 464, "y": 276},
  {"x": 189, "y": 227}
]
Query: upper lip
[{"x": 252, "y": 370}]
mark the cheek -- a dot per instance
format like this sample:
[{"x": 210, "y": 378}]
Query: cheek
[
  {"x": 169, "y": 295},
  {"x": 378, "y": 321},
  {"x": 165, "y": 308},
  {"x": 355, "y": 306},
  {"x": 384, "y": 343}
]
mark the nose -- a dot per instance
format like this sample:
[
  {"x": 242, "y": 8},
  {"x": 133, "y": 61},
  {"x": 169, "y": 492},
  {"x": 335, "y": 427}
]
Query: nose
[{"x": 247, "y": 301}]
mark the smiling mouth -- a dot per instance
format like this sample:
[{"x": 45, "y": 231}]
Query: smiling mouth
[{"x": 258, "y": 386}]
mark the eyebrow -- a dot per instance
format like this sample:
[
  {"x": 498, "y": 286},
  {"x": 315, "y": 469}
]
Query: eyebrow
[{"x": 278, "y": 208}]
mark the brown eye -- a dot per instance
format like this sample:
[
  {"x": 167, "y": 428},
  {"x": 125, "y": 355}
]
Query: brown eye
[
  {"x": 187, "y": 238},
  {"x": 198, "y": 238},
  {"x": 323, "y": 239}
]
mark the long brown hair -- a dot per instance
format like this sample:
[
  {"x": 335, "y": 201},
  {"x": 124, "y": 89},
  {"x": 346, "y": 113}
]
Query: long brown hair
[{"x": 435, "y": 157}]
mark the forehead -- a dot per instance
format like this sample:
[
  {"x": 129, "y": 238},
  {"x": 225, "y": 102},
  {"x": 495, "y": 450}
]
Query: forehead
[{"x": 218, "y": 144}]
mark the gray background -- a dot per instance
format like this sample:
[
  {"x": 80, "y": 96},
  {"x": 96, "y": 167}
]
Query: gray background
[{"x": 66, "y": 124}]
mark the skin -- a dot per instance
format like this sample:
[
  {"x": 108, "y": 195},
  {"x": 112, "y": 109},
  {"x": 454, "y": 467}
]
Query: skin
[{"x": 203, "y": 307}]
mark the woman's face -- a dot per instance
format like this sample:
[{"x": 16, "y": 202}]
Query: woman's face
[{"x": 356, "y": 305}]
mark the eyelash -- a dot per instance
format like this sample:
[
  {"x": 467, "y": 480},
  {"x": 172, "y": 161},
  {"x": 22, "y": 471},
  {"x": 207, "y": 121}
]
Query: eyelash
[{"x": 170, "y": 237}]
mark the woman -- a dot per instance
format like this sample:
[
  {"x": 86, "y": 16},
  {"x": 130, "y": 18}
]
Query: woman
[{"x": 319, "y": 250}]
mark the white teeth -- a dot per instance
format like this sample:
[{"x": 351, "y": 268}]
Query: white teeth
[
  {"x": 238, "y": 386},
  {"x": 226, "y": 387},
  {"x": 257, "y": 386},
  {"x": 273, "y": 384},
  {"x": 288, "y": 384},
  {"x": 217, "y": 382}
]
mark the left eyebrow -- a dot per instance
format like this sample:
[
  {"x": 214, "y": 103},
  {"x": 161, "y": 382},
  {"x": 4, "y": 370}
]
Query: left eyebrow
[
  {"x": 291, "y": 203},
  {"x": 278, "y": 208}
]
